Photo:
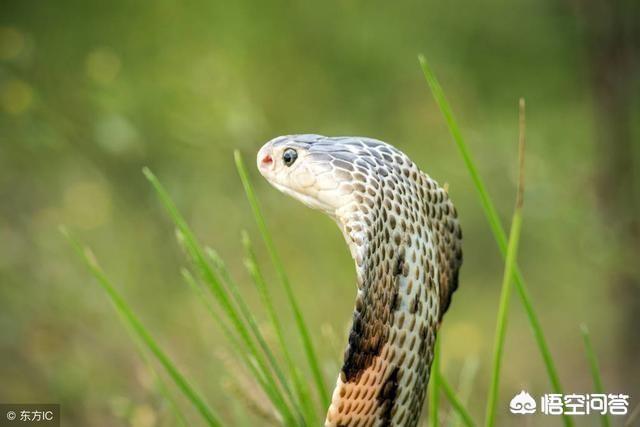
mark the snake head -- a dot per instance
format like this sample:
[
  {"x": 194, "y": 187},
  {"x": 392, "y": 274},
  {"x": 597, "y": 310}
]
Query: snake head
[{"x": 301, "y": 166}]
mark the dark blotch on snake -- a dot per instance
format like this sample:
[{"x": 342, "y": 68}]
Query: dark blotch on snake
[{"x": 387, "y": 396}]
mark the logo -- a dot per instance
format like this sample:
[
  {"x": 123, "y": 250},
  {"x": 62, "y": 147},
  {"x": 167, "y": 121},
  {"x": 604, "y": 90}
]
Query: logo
[
  {"x": 571, "y": 404},
  {"x": 522, "y": 403}
]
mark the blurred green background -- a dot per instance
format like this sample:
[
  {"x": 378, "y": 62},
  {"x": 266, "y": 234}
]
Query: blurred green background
[{"x": 90, "y": 92}]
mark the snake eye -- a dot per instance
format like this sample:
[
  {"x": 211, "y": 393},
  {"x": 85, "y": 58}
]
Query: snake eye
[{"x": 289, "y": 156}]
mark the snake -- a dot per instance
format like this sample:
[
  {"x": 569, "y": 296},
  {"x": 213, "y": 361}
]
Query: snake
[{"x": 404, "y": 236}]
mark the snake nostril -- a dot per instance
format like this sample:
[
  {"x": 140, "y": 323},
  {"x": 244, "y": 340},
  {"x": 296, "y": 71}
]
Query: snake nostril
[{"x": 267, "y": 160}]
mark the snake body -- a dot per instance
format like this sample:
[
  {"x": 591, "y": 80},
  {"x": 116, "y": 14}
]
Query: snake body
[{"x": 403, "y": 233}]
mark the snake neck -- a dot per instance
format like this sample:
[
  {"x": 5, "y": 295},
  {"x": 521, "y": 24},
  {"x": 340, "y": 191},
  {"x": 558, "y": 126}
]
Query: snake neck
[{"x": 402, "y": 266}]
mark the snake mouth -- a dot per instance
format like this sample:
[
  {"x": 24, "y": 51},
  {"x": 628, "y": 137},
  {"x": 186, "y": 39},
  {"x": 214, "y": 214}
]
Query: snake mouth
[{"x": 267, "y": 160}]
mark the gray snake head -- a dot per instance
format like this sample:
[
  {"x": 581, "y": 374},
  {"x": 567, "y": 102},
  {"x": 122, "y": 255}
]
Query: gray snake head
[
  {"x": 318, "y": 171},
  {"x": 404, "y": 236}
]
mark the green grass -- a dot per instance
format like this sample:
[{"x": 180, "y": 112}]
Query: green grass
[
  {"x": 233, "y": 316},
  {"x": 495, "y": 225},
  {"x": 258, "y": 279},
  {"x": 468, "y": 374},
  {"x": 213, "y": 274},
  {"x": 248, "y": 317},
  {"x": 457, "y": 405},
  {"x": 592, "y": 358},
  {"x": 312, "y": 357},
  {"x": 505, "y": 293},
  {"x": 143, "y": 335},
  {"x": 235, "y": 345},
  {"x": 434, "y": 388}
]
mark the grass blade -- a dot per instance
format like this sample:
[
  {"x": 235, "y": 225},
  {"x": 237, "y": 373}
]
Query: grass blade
[
  {"x": 226, "y": 330},
  {"x": 275, "y": 259},
  {"x": 505, "y": 293},
  {"x": 465, "y": 385},
  {"x": 456, "y": 404},
  {"x": 253, "y": 326},
  {"x": 595, "y": 369},
  {"x": 225, "y": 277},
  {"x": 236, "y": 346},
  {"x": 496, "y": 227},
  {"x": 304, "y": 397},
  {"x": 501, "y": 326},
  {"x": 143, "y": 335},
  {"x": 434, "y": 387},
  {"x": 162, "y": 386},
  {"x": 209, "y": 277}
]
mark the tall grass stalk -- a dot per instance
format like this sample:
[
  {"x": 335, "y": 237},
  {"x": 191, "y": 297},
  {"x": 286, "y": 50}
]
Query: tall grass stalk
[
  {"x": 236, "y": 346},
  {"x": 309, "y": 350},
  {"x": 232, "y": 286},
  {"x": 465, "y": 384},
  {"x": 496, "y": 227},
  {"x": 300, "y": 386},
  {"x": 456, "y": 404},
  {"x": 143, "y": 335},
  {"x": 161, "y": 384},
  {"x": 434, "y": 388},
  {"x": 212, "y": 280},
  {"x": 595, "y": 369},
  {"x": 505, "y": 294},
  {"x": 163, "y": 387}
]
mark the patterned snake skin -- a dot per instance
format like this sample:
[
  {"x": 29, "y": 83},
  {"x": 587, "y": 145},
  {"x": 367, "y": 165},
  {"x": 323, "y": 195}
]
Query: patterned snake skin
[{"x": 404, "y": 236}]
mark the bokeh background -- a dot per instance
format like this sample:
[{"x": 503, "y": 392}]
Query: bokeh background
[{"x": 90, "y": 92}]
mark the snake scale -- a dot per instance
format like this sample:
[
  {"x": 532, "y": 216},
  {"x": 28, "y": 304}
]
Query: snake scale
[{"x": 404, "y": 236}]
